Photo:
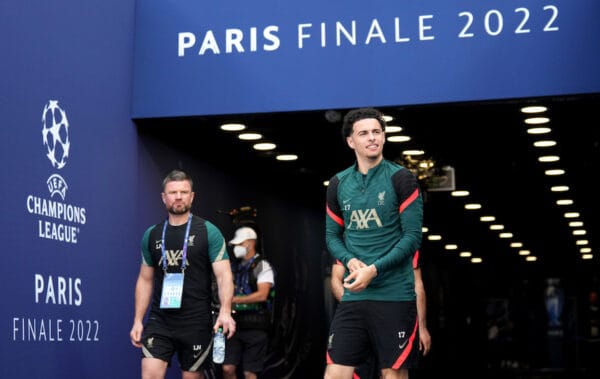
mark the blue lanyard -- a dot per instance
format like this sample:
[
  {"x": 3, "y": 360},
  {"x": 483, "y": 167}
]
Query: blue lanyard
[{"x": 185, "y": 244}]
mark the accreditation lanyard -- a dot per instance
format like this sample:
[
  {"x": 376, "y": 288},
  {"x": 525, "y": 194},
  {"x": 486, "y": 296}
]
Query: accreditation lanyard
[{"x": 173, "y": 282}]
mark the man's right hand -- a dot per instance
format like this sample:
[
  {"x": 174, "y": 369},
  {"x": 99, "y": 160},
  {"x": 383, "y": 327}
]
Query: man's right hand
[{"x": 136, "y": 334}]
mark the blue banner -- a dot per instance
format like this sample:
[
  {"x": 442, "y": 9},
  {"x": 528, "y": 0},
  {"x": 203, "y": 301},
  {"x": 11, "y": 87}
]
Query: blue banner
[{"x": 203, "y": 58}]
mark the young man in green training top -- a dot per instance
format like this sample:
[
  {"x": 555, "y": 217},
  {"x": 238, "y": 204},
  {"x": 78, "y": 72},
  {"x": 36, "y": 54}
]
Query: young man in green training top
[{"x": 373, "y": 226}]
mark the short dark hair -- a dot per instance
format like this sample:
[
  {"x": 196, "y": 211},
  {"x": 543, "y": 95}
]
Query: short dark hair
[
  {"x": 177, "y": 176},
  {"x": 357, "y": 115}
]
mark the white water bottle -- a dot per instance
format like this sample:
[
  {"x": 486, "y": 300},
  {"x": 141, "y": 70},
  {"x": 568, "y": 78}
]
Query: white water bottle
[{"x": 219, "y": 347}]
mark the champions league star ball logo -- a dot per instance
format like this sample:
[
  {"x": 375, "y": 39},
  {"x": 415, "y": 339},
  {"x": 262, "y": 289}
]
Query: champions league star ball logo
[
  {"x": 57, "y": 220},
  {"x": 56, "y": 134}
]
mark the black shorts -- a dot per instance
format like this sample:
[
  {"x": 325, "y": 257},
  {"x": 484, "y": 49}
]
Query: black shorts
[
  {"x": 248, "y": 348},
  {"x": 384, "y": 330},
  {"x": 191, "y": 342}
]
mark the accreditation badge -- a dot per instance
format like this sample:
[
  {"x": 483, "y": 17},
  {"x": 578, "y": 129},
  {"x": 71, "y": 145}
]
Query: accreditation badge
[{"x": 172, "y": 290}]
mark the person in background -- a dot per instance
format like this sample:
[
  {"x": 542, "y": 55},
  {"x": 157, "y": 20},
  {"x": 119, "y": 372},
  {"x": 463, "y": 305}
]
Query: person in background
[
  {"x": 374, "y": 217},
  {"x": 367, "y": 370},
  {"x": 424, "y": 335},
  {"x": 254, "y": 280},
  {"x": 179, "y": 256}
]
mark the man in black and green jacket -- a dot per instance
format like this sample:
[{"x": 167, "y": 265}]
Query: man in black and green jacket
[{"x": 373, "y": 226}]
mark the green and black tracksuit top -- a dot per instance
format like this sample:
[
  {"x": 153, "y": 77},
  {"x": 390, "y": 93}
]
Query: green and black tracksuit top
[
  {"x": 206, "y": 244},
  {"x": 378, "y": 219}
]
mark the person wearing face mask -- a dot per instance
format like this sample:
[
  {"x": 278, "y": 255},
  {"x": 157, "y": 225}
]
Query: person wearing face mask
[{"x": 254, "y": 280}]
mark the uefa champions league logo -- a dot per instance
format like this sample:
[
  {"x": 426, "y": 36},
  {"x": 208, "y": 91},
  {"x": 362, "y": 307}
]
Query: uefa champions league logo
[
  {"x": 55, "y": 133},
  {"x": 56, "y": 219}
]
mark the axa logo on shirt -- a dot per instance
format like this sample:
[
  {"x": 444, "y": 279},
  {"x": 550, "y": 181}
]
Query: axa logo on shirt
[
  {"x": 173, "y": 257},
  {"x": 360, "y": 218},
  {"x": 56, "y": 141}
]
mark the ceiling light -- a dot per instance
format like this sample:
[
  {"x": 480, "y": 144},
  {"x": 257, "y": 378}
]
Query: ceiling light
[
  {"x": 585, "y": 250},
  {"x": 530, "y": 258},
  {"x": 564, "y": 202},
  {"x": 496, "y": 227},
  {"x": 581, "y": 242},
  {"x": 465, "y": 254},
  {"x": 434, "y": 237},
  {"x": 387, "y": 118},
  {"x": 487, "y": 218},
  {"x": 576, "y": 224},
  {"x": 554, "y": 172},
  {"x": 472, "y": 206},
  {"x": 559, "y": 188},
  {"x": 286, "y": 157},
  {"x": 544, "y": 143},
  {"x": 250, "y": 136},
  {"x": 579, "y": 232},
  {"x": 459, "y": 193},
  {"x": 451, "y": 246},
  {"x": 534, "y": 109},
  {"x": 571, "y": 214},
  {"x": 505, "y": 235},
  {"x": 264, "y": 146},
  {"x": 424, "y": 229},
  {"x": 413, "y": 152},
  {"x": 326, "y": 183},
  {"x": 549, "y": 158},
  {"x": 233, "y": 127},
  {"x": 393, "y": 129},
  {"x": 516, "y": 244},
  {"x": 476, "y": 260},
  {"x": 524, "y": 252},
  {"x": 587, "y": 256},
  {"x": 538, "y": 130},
  {"x": 398, "y": 139},
  {"x": 537, "y": 120}
]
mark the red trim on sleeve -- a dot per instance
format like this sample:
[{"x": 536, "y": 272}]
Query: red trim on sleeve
[
  {"x": 415, "y": 261},
  {"x": 409, "y": 201},
  {"x": 334, "y": 217}
]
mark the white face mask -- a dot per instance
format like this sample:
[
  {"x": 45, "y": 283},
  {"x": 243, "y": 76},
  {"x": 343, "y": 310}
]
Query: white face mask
[{"x": 239, "y": 251}]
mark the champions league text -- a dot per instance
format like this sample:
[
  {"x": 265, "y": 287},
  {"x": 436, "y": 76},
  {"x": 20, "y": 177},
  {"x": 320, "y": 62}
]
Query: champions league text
[
  {"x": 59, "y": 291},
  {"x": 55, "y": 210}
]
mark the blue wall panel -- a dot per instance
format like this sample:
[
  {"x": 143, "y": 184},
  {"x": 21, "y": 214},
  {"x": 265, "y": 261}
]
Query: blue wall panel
[{"x": 70, "y": 254}]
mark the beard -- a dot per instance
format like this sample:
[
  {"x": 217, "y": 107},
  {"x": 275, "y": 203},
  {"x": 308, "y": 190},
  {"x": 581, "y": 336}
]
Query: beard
[{"x": 178, "y": 209}]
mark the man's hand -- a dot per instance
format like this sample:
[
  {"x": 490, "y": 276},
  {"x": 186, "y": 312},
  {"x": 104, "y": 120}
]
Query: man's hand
[
  {"x": 360, "y": 275},
  {"x": 225, "y": 321},
  {"x": 136, "y": 334}
]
